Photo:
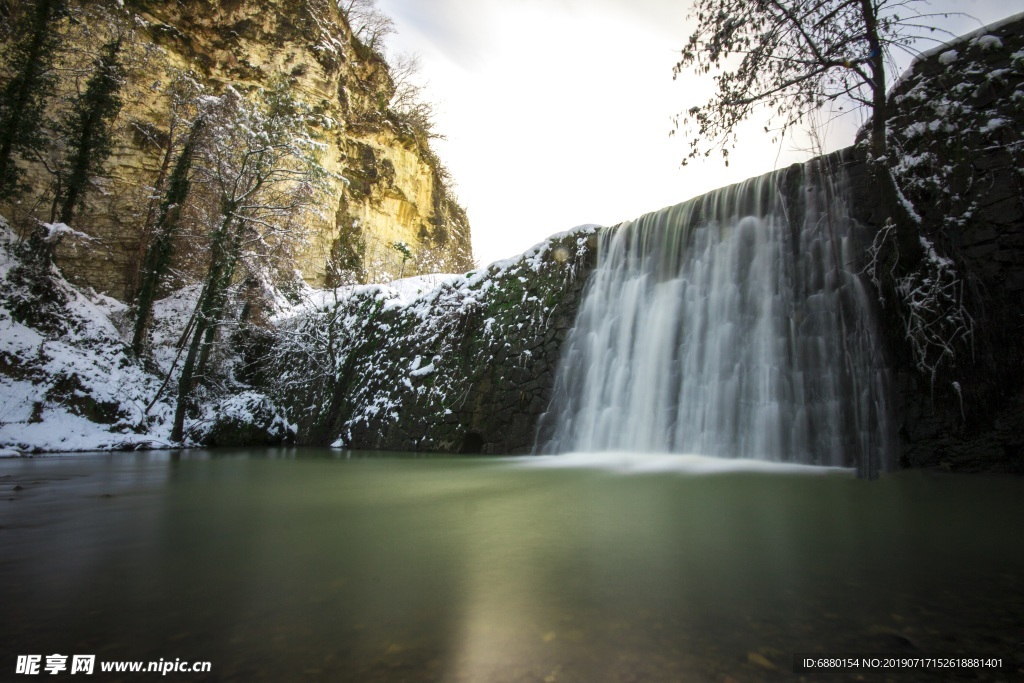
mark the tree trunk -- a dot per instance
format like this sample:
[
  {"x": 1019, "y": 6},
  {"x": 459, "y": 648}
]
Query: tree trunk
[
  {"x": 138, "y": 260},
  {"x": 160, "y": 252},
  {"x": 185, "y": 382},
  {"x": 905, "y": 218},
  {"x": 224, "y": 256}
]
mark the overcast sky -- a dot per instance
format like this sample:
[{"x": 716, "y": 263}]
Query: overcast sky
[{"x": 557, "y": 112}]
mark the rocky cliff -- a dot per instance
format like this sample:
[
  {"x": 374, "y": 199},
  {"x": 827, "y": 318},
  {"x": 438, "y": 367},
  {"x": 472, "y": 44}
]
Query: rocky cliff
[{"x": 386, "y": 186}]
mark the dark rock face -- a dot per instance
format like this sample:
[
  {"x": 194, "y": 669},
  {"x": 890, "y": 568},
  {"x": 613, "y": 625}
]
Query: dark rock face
[
  {"x": 956, "y": 130},
  {"x": 246, "y": 419},
  {"x": 467, "y": 368}
]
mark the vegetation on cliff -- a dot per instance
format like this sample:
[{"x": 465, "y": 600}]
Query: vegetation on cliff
[
  {"x": 453, "y": 364},
  {"x": 243, "y": 147},
  {"x": 31, "y": 46},
  {"x": 463, "y": 357},
  {"x": 97, "y": 101},
  {"x": 953, "y": 136},
  {"x": 954, "y": 318}
]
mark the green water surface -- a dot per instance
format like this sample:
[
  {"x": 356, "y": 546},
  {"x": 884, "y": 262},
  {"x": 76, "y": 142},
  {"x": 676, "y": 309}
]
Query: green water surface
[{"x": 326, "y": 566}]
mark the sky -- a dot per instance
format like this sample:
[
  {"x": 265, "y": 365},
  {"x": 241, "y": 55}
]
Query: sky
[{"x": 557, "y": 113}]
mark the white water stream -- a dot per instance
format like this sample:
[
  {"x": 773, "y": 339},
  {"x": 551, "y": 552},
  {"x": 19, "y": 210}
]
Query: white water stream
[{"x": 732, "y": 325}]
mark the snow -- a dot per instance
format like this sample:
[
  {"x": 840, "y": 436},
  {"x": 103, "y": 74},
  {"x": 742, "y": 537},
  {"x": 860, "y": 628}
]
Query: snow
[
  {"x": 395, "y": 294},
  {"x": 91, "y": 365},
  {"x": 988, "y": 42},
  {"x": 933, "y": 256},
  {"x": 425, "y": 370},
  {"x": 62, "y": 431},
  {"x": 948, "y": 57},
  {"x": 420, "y": 292},
  {"x": 915, "y": 129},
  {"x": 248, "y": 407},
  {"x": 170, "y": 315},
  {"x": 57, "y": 231},
  {"x": 408, "y": 290},
  {"x": 433, "y": 325},
  {"x": 78, "y": 387},
  {"x": 994, "y": 123},
  {"x": 973, "y": 38},
  {"x": 81, "y": 366},
  {"x": 533, "y": 256}
]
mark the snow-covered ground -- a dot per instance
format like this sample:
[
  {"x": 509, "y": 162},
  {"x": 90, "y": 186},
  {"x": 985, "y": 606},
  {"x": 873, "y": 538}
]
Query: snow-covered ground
[
  {"x": 68, "y": 381},
  {"x": 56, "y": 376}
]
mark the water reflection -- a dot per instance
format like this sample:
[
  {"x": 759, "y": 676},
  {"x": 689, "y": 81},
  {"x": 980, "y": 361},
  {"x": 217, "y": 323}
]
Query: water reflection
[{"x": 292, "y": 567}]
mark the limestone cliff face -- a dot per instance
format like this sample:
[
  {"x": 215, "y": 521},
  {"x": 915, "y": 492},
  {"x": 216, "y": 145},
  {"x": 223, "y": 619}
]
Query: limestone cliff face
[{"x": 386, "y": 184}]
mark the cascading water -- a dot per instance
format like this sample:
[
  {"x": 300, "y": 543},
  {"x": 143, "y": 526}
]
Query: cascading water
[{"x": 732, "y": 325}]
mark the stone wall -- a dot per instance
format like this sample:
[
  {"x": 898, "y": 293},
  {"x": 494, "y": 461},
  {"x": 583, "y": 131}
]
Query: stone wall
[
  {"x": 959, "y": 155},
  {"x": 465, "y": 368}
]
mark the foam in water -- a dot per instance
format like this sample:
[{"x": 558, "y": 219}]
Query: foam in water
[
  {"x": 621, "y": 462},
  {"x": 732, "y": 325}
]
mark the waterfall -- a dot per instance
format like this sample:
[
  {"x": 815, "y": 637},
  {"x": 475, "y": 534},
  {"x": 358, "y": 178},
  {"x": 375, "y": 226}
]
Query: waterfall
[{"x": 732, "y": 325}]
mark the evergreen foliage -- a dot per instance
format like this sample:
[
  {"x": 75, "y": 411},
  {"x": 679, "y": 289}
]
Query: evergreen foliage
[
  {"x": 30, "y": 82},
  {"x": 161, "y": 249},
  {"x": 88, "y": 131}
]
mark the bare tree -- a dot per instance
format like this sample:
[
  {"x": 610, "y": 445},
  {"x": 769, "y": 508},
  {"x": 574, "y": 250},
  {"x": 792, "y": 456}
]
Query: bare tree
[
  {"x": 261, "y": 165},
  {"x": 160, "y": 249},
  {"x": 369, "y": 24},
  {"x": 793, "y": 57},
  {"x": 409, "y": 100},
  {"x": 798, "y": 57}
]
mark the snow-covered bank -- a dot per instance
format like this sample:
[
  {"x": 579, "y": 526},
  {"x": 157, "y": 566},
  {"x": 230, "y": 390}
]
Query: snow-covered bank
[{"x": 69, "y": 382}]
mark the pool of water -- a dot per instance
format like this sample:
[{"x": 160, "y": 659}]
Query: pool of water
[{"x": 308, "y": 565}]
